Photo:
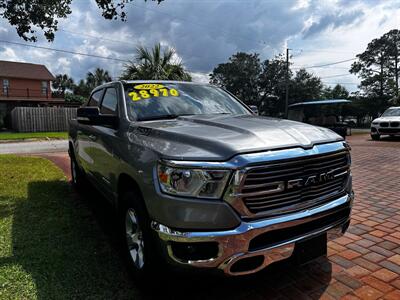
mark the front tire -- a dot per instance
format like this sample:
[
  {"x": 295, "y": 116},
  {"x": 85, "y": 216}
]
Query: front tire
[
  {"x": 138, "y": 241},
  {"x": 77, "y": 175},
  {"x": 375, "y": 137}
]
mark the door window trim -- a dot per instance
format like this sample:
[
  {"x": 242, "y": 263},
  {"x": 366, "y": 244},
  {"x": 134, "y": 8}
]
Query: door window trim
[{"x": 102, "y": 98}]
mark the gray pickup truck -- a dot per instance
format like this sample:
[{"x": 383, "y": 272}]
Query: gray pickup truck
[{"x": 199, "y": 181}]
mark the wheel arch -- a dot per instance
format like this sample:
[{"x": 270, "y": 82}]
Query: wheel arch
[
  {"x": 127, "y": 183},
  {"x": 71, "y": 150}
]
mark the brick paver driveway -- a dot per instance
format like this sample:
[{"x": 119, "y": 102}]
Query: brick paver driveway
[{"x": 364, "y": 264}]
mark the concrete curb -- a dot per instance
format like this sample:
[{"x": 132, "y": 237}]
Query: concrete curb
[{"x": 34, "y": 147}]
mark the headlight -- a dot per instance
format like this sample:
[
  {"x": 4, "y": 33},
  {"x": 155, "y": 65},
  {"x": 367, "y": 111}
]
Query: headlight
[
  {"x": 192, "y": 182},
  {"x": 375, "y": 123}
]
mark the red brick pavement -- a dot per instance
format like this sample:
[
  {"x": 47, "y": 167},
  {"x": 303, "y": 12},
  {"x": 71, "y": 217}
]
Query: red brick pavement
[
  {"x": 363, "y": 264},
  {"x": 61, "y": 159}
]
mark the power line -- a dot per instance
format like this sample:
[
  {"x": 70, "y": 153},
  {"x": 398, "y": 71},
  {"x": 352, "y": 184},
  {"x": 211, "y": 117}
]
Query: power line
[
  {"x": 353, "y": 83},
  {"x": 64, "y": 51},
  {"x": 330, "y": 64},
  {"x": 96, "y": 37},
  {"x": 337, "y": 75},
  {"x": 324, "y": 50},
  {"x": 304, "y": 67}
]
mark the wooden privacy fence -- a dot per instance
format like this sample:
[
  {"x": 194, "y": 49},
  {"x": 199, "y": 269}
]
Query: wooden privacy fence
[{"x": 33, "y": 119}]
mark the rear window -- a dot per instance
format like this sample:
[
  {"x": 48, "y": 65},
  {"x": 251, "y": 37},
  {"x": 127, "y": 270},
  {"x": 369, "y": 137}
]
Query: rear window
[{"x": 152, "y": 100}]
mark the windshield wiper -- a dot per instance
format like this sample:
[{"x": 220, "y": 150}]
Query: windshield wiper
[{"x": 163, "y": 117}]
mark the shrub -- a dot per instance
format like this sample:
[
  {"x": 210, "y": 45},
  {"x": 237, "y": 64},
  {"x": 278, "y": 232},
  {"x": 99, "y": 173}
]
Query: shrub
[{"x": 74, "y": 98}]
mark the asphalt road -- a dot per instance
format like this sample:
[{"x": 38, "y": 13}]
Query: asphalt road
[{"x": 34, "y": 147}]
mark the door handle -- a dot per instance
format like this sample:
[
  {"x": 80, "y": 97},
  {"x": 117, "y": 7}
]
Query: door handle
[{"x": 92, "y": 137}]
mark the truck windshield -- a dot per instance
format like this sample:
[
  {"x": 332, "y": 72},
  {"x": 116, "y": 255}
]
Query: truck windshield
[
  {"x": 151, "y": 101},
  {"x": 392, "y": 112}
]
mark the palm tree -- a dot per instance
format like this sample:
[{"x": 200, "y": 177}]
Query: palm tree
[
  {"x": 62, "y": 83},
  {"x": 155, "y": 64},
  {"x": 82, "y": 89},
  {"x": 93, "y": 79},
  {"x": 98, "y": 77}
]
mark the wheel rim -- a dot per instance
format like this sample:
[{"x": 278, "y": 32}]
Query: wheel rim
[
  {"x": 73, "y": 170},
  {"x": 134, "y": 238}
]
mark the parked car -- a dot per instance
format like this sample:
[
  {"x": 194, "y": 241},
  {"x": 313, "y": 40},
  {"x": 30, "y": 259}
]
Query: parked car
[
  {"x": 387, "y": 124},
  {"x": 199, "y": 181},
  {"x": 325, "y": 113}
]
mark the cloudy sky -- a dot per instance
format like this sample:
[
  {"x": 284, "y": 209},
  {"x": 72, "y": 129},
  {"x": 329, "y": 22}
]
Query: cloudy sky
[{"x": 206, "y": 32}]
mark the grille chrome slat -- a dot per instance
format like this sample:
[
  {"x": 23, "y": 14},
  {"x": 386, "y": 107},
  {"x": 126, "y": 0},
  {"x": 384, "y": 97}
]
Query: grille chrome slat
[
  {"x": 259, "y": 178},
  {"x": 338, "y": 181},
  {"x": 293, "y": 194},
  {"x": 289, "y": 203},
  {"x": 310, "y": 194},
  {"x": 293, "y": 174},
  {"x": 266, "y": 170},
  {"x": 299, "y": 169}
]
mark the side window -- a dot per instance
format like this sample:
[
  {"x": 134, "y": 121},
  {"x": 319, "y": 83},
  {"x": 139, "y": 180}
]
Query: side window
[
  {"x": 110, "y": 102},
  {"x": 6, "y": 86},
  {"x": 95, "y": 98},
  {"x": 44, "y": 87}
]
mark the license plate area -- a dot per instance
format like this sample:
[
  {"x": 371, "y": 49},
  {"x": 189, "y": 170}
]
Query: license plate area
[{"x": 310, "y": 249}]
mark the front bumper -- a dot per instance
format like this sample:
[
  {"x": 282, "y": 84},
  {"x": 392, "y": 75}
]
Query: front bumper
[
  {"x": 376, "y": 129},
  {"x": 260, "y": 242}
]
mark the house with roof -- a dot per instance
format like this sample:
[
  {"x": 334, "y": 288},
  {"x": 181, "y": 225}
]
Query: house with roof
[{"x": 24, "y": 84}]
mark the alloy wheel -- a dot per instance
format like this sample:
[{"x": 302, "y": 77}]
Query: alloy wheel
[
  {"x": 73, "y": 170},
  {"x": 134, "y": 238}
]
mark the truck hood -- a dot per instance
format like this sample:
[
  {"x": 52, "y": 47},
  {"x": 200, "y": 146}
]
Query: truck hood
[{"x": 220, "y": 137}]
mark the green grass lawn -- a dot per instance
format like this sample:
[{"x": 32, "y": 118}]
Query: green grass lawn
[
  {"x": 32, "y": 135},
  {"x": 57, "y": 245},
  {"x": 51, "y": 245}
]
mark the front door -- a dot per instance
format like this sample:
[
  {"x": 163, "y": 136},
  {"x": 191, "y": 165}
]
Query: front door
[
  {"x": 87, "y": 137},
  {"x": 106, "y": 163}
]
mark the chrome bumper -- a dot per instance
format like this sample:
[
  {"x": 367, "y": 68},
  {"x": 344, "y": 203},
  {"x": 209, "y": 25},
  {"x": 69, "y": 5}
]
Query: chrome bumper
[{"x": 233, "y": 245}]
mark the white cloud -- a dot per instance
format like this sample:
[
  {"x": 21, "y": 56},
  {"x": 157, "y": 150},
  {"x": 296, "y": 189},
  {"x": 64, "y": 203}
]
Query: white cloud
[
  {"x": 205, "y": 33},
  {"x": 199, "y": 77},
  {"x": 341, "y": 43},
  {"x": 8, "y": 54}
]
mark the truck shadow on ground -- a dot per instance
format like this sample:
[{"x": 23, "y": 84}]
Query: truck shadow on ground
[{"x": 69, "y": 248}]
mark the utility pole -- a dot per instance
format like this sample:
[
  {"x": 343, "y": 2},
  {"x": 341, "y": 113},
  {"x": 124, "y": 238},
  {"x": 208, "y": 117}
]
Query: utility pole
[
  {"x": 396, "y": 65},
  {"x": 287, "y": 84}
]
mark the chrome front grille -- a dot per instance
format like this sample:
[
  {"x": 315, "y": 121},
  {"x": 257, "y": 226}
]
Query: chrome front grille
[{"x": 294, "y": 184}]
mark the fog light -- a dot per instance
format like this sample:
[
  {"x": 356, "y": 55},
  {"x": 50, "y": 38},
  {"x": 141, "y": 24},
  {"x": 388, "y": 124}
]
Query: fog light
[
  {"x": 194, "y": 251},
  {"x": 247, "y": 264}
]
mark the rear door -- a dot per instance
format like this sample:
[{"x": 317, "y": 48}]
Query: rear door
[{"x": 87, "y": 136}]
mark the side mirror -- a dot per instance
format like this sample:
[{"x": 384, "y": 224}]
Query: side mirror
[
  {"x": 87, "y": 112},
  {"x": 254, "y": 109},
  {"x": 91, "y": 116}
]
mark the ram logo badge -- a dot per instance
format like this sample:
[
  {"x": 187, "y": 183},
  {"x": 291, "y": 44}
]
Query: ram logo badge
[{"x": 313, "y": 180}]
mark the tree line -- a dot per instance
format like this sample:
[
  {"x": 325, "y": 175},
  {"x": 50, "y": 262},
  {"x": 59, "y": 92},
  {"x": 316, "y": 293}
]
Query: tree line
[{"x": 262, "y": 82}]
